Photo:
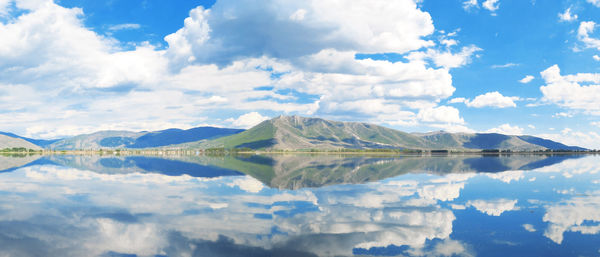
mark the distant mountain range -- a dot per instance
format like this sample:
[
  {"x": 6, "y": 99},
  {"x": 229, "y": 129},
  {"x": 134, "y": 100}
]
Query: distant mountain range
[
  {"x": 298, "y": 133},
  {"x": 291, "y": 133},
  {"x": 138, "y": 140}
]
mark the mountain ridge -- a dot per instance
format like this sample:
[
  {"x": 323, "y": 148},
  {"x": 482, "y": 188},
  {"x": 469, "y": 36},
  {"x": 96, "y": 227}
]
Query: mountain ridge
[
  {"x": 296, "y": 133},
  {"x": 304, "y": 133}
]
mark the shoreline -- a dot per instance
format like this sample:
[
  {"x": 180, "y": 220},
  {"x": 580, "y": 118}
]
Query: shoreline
[{"x": 157, "y": 152}]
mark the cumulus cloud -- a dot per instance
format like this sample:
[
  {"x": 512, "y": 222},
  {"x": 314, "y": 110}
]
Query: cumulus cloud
[
  {"x": 586, "y": 28},
  {"x": 470, "y": 4},
  {"x": 458, "y": 100},
  {"x": 444, "y": 114},
  {"x": 248, "y": 120},
  {"x": 494, "y": 207},
  {"x": 492, "y": 99},
  {"x": 578, "y": 92},
  {"x": 491, "y": 5},
  {"x": 567, "y": 16},
  {"x": 507, "y": 129},
  {"x": 248, "y": 184},
  {"x": 221, "y": 60},
  {"x": 283, "y": 30},
  {"x": 596, "y": 57},
  {"x": 527, "y": 79}
]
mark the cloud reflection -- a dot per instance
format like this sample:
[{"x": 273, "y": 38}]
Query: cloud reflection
[{"x": 60, "y": 211}]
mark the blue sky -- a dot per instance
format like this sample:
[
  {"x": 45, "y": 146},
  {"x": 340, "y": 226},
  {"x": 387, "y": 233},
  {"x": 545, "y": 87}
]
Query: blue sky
[{"x": 517, "y": 67}]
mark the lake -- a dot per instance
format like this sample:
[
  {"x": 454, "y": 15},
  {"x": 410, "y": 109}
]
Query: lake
[{"x": 300, "y": 205}]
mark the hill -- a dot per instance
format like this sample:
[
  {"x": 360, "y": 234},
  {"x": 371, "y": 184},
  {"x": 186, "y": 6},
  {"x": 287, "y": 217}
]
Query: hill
[
  {"x": 13, "y": 142},
  {"x": 301, "y": 133},
  {"x": 39, "y": 142},
  {"x": 178, "y": 136},
  {"x": 137, "y": 140}
]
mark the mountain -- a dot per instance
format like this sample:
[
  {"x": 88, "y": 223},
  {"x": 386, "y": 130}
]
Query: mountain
[
  {"x": 550, "y": 144},
  {"x": 98, "y": 140},
  {"x": 39, "y": 142},
  {"x": 296, "y": 133},
  {"x": 137, "y": 140},
  {"x": 301, "y": 133},
  {"x": 178, "y": 136},
  {"x": 14, "y": 142}
]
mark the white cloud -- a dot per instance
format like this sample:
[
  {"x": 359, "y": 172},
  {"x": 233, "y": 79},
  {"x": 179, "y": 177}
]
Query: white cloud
[
  {"x": 54, "y": 65},
  {"x": 470, "y": 4},
  {"x": 527, "y": 79},
  {"x": 507, "y": 129},
  {"x": 594, "y": 2},
  {"x": 4, "y": 4},
  {"x": 583, "y": 34},
  {"x": 571, "y": 215},
  {"x": 384, "y": 26},
  {"x": 506, "y": 65},
  {"x": 125, "y": 26},
  {"x": 458, "y": 100},
  {"x": 491, "y": 5},
  {"x": 298, "y": 15},
  {"x": 494, "y": 207},
  {"x": 248, "y": 120},
  {"x": 449, "y": 42},
  {"x": 590, "y": 139},
  {"x": 562, "y": 115},
  {"x": 248, "y": 184},
  {"x": 531, "y": 126},
  {"x": 507, "y": 176},
  {"x": 568, "y": 92},
  {"x": 447, "y": 59},
  {"x": 529, "y": 227},
  {"x": 596, "y": 57},
  {"x": 567, "y": 16},
  {"x": 443, "y": 114},
  {"x": 492, "y": 99}
]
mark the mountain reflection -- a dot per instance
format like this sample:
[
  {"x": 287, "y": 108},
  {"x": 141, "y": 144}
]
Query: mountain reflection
[
  {"x": 294, "y": 171},
  {"x": 534, "y": 205}
]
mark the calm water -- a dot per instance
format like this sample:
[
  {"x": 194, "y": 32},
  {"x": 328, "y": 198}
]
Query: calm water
[{"x": 300, "y": 205}]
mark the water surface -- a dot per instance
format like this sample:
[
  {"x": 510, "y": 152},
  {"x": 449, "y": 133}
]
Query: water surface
[{"x": 300, "y": 205}]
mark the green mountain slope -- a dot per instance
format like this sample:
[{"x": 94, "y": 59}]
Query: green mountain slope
[
  {"x": 297, "y": 133},
  {"x": 300, "y": 133},
  {"x": 12, "y": 142}
]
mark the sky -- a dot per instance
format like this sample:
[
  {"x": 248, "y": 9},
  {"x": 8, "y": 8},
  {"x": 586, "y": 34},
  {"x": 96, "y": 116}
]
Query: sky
[{"x": 517, "y": 67}]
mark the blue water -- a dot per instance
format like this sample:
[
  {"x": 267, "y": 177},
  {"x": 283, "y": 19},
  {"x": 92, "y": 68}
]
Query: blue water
[{"x": 300, "y": 206}]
